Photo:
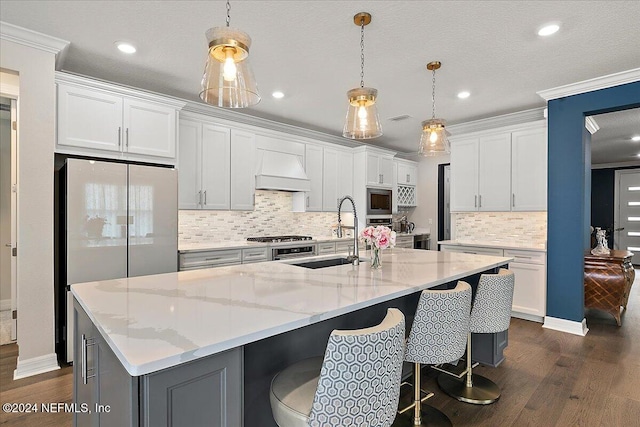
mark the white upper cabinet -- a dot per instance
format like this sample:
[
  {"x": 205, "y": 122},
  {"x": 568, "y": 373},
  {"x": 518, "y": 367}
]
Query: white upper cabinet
[
  {"x": 314, "y": 167},
  {"x": 337, "y": 177},
  {"x": 204, "y": 166},
  {"x": 150, "y": 128},
  {"x": 243, "y": 175},
  {"x": 529, "y": 170},
  {"x": 407, "y": 173},
  {"x": 464, "y": 175},
  {"x": 499, "y": 171},
  {"x": 494, "y": 172},
  {"x": 103, "y": 120},
  {"x": 379, "y": 170}
]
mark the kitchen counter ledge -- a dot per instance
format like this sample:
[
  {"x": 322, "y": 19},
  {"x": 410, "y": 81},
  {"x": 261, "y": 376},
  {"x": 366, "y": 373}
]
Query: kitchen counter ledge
[{"x": 160, "y": 321}]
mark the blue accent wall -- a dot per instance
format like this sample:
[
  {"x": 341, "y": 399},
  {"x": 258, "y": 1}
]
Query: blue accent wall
[{"x": 569, "y": 194}]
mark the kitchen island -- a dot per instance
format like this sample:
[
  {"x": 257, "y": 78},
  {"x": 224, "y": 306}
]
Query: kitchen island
[{"x": 200, "y": 347}]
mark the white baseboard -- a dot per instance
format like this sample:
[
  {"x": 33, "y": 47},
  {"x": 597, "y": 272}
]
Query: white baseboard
[
  {"x": 35, "y": 366},
  {"x": 5, "y": 304},
  {"x": 527, "y": 316},
  {"x": 564, "y": 325}
]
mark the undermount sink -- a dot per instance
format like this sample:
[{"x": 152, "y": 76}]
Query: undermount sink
[{"x": 331, "y": 262}]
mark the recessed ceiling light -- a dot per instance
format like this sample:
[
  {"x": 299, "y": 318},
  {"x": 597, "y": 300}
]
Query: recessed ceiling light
[
  {"x": 277, "y": 94},
  {"x": 549, "y": 29},
  {"x": 126, "y": 47},
  {"x": 464, "y": 95},
  {"x": 635, "y": 138}
]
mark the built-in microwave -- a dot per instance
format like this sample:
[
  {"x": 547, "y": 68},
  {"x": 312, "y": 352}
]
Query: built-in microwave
[{"x": 378, "y": 201}]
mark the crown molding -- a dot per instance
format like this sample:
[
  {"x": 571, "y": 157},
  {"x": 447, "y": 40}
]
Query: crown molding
[
  {"x": 245, "y": 119},
  {"x": 83, "y": 81},
  {"x": 35, "y": 40},
  {"x": 512, "y": 119},
  {"x": 591, "y": 125},
  {"x": 590, "y": 85}
]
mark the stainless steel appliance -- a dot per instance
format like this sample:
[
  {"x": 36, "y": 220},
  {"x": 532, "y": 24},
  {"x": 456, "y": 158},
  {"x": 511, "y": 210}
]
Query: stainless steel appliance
[
  {"x": 287, "y": 247},
  {"x": 116, "y": 220},
  {"x": 379, "y": 201},
  {"x": 386, "y": 220},
  {"x": 422, "y": 241}
]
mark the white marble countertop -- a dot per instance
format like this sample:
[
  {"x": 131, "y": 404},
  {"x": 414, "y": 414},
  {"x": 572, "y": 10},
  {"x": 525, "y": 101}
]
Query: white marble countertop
[
  {"x": 496, "y": 244},
  {"x": 159, "y": 321},
  {"x": 243, "y": 244}
]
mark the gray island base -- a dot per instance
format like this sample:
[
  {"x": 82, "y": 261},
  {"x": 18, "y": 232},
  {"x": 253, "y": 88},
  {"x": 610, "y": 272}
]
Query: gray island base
[{"x": 224, "y": 388}]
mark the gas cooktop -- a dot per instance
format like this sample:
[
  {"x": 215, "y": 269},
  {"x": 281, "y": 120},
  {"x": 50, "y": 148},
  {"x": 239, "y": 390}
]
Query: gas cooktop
[{"x": 276, "y": 239}]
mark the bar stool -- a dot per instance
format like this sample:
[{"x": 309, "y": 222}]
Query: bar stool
[
  {"x": 357, "y": 383},
  {"x": 438, "y": 335},
  {"x": 491, "y": 313}
]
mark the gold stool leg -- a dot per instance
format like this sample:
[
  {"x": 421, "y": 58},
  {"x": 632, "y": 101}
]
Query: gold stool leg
[
  {"x": 474, "y": 389},
  {"x": 423, "y": 415}
]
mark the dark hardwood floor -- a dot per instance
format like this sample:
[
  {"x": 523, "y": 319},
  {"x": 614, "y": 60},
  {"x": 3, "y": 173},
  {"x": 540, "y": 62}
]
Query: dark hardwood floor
[{"x": 548, "y": 379}]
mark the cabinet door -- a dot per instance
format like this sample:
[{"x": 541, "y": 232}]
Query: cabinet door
[
  {"x": 529, "y": 170},
  {"x": 373, "y": 170},
  {"x": 345, "y": 174},
  {"x": 313, "y": 168},
  {"x": 530, "y": 291},
  {"x": 89, "y": 119},
  {"x": 494, "y": 173},
  {"x": 243, "y": 173},
  {"x": 386, "y": 170},
  {"x": 330, "y": 170},
  {"x": 189, "y": 176},
  {"x": 216, "y": 146},
  {"x": 464, "y": 175},
  {"x": 150, "y": 128},
  {"x": 412, "y": 170}
]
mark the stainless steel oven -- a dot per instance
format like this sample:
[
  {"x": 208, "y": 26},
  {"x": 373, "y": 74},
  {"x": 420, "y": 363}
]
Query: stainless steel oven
[{"x": 379, "y": 201}]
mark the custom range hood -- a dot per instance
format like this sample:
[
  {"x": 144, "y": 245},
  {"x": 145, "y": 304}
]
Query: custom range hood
[{"x": 280, "y": 171}]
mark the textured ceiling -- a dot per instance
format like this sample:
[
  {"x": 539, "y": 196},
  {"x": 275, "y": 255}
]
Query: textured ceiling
[
  {"x": 310, "y": 51},
  {"x": 612, "y": 143}
]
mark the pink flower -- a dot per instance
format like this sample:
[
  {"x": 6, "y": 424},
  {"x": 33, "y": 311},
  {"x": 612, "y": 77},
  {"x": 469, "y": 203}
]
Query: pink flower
[{"x": 380, "y": 237}]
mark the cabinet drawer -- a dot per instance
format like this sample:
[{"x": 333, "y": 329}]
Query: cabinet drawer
[
  {"x": 404, "y": 241},
  {"x": 326, "y": 248},
  {"x": 255, "y": 255},
  {"x": 526, "y": 257},
  {"x": 344, "y": 246},
  {"x": 210, "y": 259},
  {"x": 472, "y": 250}
]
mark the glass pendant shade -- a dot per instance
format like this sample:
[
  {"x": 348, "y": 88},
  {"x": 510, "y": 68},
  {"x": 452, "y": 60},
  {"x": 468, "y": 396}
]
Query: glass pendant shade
[
  {"x": 228, "y": 79},
  {"x": 434, "y": 138},
  {"x": 362, "y": 120}
]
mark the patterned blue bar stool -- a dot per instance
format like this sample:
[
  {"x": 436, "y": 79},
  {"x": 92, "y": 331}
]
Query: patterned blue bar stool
[
  {"x": 438, "y": 335},
  {"x": 357, "y": 383},
  {"x": 491, "y": 313}
]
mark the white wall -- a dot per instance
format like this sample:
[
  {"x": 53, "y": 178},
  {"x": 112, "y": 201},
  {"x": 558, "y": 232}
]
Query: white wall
[
  {"x": 36, "y": 117},
  {"x": 428, "y": 195}
]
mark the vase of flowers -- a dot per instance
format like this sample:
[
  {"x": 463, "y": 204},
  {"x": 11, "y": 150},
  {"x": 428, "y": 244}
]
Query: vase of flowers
[{"x": 378, "y": 238}]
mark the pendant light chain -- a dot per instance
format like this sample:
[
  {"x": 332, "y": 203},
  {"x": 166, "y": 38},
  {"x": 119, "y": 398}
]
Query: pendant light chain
[
  {"x": 362, "y": 52},
  {"x": 433, "y": 94},
  {"x": 228, "y": 13}
]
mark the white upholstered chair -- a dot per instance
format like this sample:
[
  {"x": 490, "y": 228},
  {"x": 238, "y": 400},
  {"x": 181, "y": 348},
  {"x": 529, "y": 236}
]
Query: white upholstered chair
[
  {"x": 357, "y": 384},
  {"x": 438, "y": 335},
  {"x": 491, "y": 313}
]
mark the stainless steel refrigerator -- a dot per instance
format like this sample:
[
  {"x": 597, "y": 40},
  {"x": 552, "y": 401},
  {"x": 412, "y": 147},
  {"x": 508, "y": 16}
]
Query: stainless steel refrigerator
[{"x": 117, "y": 220}]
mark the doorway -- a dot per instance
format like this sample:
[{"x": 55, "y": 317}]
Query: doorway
[
  {"x": 8, "y": 291},
  {"x": 444, "y": 212},
  {"x": 627, "y": 216}
]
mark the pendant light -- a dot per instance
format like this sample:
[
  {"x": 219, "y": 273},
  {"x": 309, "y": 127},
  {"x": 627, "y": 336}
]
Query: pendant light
[
  {"x": 228, "y": 80},
  {"x": 362, "y": 116},
  {"x": 434, "y": 137}
]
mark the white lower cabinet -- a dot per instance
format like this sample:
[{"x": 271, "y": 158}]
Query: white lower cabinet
[
  {"x": 530, "y": 292},
  {"x": 529, "y": 268}
]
